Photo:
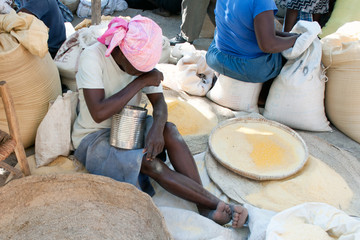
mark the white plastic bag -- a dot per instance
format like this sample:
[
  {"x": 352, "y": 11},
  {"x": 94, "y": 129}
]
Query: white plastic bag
[
  {"x": 108, "y": 7},
  {"x": 195, "y": 76},
  {"x": 324, "y": 217},
  {"x": 296, "y": 97},
  {"x": 5, "y": 6},
  {"x": 166, "y": 50},
  {"x": 53, "y": 137},
  {"x": 236, "y": 95},
  {"x": 258, "y": 221}
]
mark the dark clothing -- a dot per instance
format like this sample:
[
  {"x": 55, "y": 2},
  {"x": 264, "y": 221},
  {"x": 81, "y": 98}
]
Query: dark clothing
[
  {"x": 173, "y": 6},
  {"x": 49, "y": 12}
]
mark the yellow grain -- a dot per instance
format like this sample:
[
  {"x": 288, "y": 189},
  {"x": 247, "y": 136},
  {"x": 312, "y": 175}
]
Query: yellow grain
[{"x": 266, "y": 152}]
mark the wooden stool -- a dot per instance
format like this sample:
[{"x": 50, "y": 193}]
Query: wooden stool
[{"x": 10, "y": 143}]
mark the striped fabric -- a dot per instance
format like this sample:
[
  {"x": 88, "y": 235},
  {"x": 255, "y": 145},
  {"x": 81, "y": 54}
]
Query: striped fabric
[{"x": 307, "y": 6}]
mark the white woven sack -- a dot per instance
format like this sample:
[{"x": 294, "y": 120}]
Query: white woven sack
[
  {"x": 108, "y": 7},
  {"x": 70, "y": 83},
  {"x": 182, "y": 49},
  {"x": 327, "y": 218},
  {"x": 84, "y": 8},
  {"x": 53, "y": 137},
  {"x": 67, "y": 58},
  {"x": 296, "y": 97},
  {"x": 195, "y": 76},
  {"x": 166, "y": 50},
  {"x": 5, "y": 6},
  {"x": 236, "y": 95}
]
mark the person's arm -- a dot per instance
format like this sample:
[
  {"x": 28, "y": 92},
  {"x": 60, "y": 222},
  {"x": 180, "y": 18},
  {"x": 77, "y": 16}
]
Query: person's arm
[
  {"x": 266, "y": 36},
  {"x": 154, "y": 142},
  {"x": 102, "y": 108},
  {"x": 285, "y": 34}
]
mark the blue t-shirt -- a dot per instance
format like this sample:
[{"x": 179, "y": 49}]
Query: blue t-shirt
[
  {"x": 235, "y": 34},
  {"x": 49, "y": 12}
]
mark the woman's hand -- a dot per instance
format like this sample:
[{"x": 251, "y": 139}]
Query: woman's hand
[
  {"x": 154, "y": 143},
  {"x": 152, "y": 78}
]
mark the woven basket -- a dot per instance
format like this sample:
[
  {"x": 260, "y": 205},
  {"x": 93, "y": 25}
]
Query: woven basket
[
  {"x": 77, "y": 206},
  {"x": 264, "y": 174}
]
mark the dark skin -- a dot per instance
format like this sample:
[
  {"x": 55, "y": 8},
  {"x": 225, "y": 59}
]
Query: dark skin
[
  {"x": 291, "y": 17},
  {"x": 185, "y": 181},
  {"x": 269, "y": 40}
]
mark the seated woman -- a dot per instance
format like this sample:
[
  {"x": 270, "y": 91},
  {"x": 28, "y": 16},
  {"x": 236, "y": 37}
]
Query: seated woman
[
  {"x": 112, "y": 74},
  {"x": 246, "y": 46}
]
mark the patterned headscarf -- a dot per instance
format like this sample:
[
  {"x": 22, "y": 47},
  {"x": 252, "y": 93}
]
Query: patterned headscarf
[{"x": 139, "y": 39}]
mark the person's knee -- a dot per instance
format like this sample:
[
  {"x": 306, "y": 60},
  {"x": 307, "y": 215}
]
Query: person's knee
[
  {"x": 171, "y": 130},
  {"x": 152, "y": 168}
]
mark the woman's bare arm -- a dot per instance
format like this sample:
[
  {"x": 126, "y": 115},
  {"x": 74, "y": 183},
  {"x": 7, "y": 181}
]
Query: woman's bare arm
[
  {"x": 102, "y": 108},
  {"x": 266, "y": 36}
]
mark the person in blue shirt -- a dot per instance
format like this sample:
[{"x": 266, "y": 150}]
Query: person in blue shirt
[
  {"x": 49, "y": 12},
  {"x": 246, "y": 46}
]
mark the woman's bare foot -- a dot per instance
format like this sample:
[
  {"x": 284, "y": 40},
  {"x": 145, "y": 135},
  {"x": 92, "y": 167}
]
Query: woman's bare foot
[
  {"x": 221, "y": 215},
  {"x": 239, "y": 215}
]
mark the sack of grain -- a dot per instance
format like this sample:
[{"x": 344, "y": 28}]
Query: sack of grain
[
  {"x": 27, "y": 67},
  {"x": 296, "y": 97},
  {"x": 53, "y": 136},
  {"x": 341, "y": 55},
  {"x": 195, "y": 76},
  {"x": 236, "y": 95}
]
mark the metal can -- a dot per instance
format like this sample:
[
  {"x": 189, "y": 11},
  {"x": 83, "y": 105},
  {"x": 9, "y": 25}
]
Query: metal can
[{"x": 128, "y": 128}]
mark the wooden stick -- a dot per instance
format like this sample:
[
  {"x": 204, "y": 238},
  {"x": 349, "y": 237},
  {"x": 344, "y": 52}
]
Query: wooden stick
[
  {"x": 95, "y": 12},
  {"x": 14, "y": 127},
  {"x": 15, "y": 171}
]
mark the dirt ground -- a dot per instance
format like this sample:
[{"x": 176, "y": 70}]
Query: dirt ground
[{"x": 171, "y": 26}]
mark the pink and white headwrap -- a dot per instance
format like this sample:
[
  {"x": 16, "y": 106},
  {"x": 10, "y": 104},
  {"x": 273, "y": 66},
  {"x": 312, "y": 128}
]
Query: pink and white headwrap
[{"x": 139, "y": 39}]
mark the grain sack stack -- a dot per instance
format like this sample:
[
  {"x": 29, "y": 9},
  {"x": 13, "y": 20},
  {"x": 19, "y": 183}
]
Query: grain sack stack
[
  {"x": 341, "y": 57},
  {"x": 27, "y": 67}
]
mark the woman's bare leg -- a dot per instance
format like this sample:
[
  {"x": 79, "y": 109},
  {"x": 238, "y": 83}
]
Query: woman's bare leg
[{"x": 185, "y": 181}]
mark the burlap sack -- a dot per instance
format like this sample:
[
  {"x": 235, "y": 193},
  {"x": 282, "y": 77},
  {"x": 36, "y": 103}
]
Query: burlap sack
[
  {"x": 341, "y": 55},
  {"x": 27, "y": 67},
  {"x": 78, "y": 206},
  {"x": 53, "y": 136}
]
